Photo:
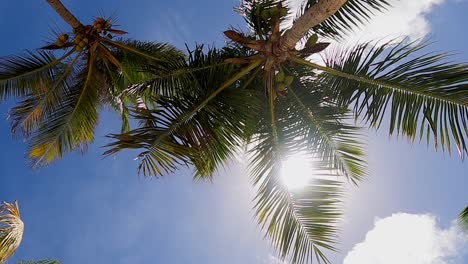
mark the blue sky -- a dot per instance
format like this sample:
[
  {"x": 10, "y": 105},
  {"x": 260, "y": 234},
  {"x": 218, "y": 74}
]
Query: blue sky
[{"x": 86, "y": 209}]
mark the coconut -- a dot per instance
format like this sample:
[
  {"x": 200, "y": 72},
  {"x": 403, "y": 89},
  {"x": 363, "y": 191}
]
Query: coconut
[
  {"x": 281, "y": 87},
  {"x": 265, "y": 14},
  {"x": 288, "y": 80},
  {"x": 280, "y": 77},
  {"x": 63, "y": 37},
  {"x": 274, "y": 11},
  {"x": 283, "y": 11},
  {"x": 312, "y": 41},
  {"x": 78, "y": 38}
]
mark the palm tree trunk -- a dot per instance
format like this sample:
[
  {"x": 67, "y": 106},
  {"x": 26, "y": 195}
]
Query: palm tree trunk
[
  {"x": 312, "y": 17},
  {"x": 64, "y": 13}
]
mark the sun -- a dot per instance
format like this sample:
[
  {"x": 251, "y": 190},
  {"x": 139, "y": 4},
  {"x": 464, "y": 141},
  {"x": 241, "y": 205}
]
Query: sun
[{"x": 297, "y": 172}]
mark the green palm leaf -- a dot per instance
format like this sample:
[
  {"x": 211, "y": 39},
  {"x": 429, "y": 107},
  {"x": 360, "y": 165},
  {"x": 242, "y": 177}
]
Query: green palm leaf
[
  {"x": 60, "y": 98},
  {"x": 463, "y": 219},
  {"x": 139, "y": 75},
  {"x": 300, "y": 225},
  {"x": 36, "y": 107},
  {"x": 11, "y": 230},
  {"x": 327, "y": 137},
  {"x": 143, "y": 63},
  {"x": 425, "y": 95},
  {"x": 72, "y": 125},
  {"x": 321, "y": 127},
  {"x": 191, "y": 128},
  {"x": 22, "y": 75}
]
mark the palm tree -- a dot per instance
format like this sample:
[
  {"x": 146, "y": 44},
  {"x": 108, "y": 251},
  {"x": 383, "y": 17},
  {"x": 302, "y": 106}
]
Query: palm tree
[
  {"x": 11, "y": 230},
  {"x": 259, "y": 93},
  {"x": 63, "y": 85},
  {"x": 262, "y": 93},
  {"x": 11, "y": 233}
]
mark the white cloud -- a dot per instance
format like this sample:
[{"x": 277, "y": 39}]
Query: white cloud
[
  {"x": 409, "y": 239},
  {"x": 404, "y": 18}
]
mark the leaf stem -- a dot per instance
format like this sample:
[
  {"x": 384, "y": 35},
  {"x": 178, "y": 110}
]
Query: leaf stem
[
  {"x": 49, "y": 65},
  {"x": 375, "y": 82},
  {"x": 131, "y": 49}
]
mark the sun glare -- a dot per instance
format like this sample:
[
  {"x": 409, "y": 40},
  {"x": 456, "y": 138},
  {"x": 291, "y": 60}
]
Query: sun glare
[{"x": 296, "y": 172}]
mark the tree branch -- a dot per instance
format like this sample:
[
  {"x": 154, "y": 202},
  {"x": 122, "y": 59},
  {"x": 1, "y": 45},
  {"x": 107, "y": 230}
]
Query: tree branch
[
  {"x": 312, "y": 17},
  {"x": 64, "y": 13}
]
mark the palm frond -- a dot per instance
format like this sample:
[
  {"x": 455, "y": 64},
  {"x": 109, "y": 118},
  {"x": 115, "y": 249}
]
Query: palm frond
[
  {"x": 145, "y": 50},
  {"x": 60, "y": 97},
  {"x": 425, "y": 94},
  {"x": 352, "y": 14},
  {"x": 321, "y": 126},
  {"x": 300, "y": 225},
  {"x": 158, "y": 59},
  {"x": 72, "y": 125},
  {"x": 201, "y": 131},
  {"x": 131, "y": 75},
  {"x": 463, "y": 219},
  {"x": 23, "y": 75},
  {"x": 11, "y": 230},
  {"x": 36, "y": 107},
  {"x": 163, "y": 151},
  {"x": 254, "y": 13}
]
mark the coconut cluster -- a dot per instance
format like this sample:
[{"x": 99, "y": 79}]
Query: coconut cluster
[
  {"x": 100, "y": 24},
  {"x": 85, "y": 35},
  {"x": 271, "y": 12},
  {"x": 283, "y": 81},
  {"x": 312, "y": 41},
  {"x": 81, "y": 41}
]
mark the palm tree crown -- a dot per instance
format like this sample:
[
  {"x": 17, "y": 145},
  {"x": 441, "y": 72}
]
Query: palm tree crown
[
  {"x": 292, "y": 105},
  {"x": 260, "y": 94},
  {"x": 61, "y": 95}
]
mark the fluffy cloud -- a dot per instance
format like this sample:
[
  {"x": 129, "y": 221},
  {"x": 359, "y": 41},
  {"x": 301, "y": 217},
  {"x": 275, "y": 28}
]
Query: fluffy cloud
[
  {"x": 409, "y": 239},
  {"x": 403, "y": 18}
]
